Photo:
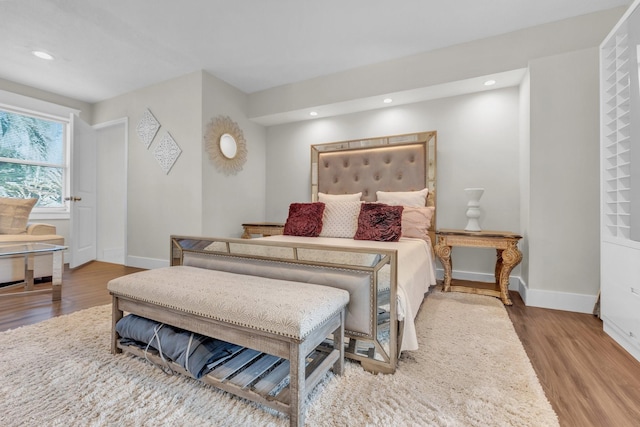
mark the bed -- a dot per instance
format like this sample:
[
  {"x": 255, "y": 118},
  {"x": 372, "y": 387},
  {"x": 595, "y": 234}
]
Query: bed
[{"x": 387, "y": 280}]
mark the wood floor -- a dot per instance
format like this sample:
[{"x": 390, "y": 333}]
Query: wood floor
[
  {"x": 588, "y": 378},
  {"x": 84, "y": 287}
]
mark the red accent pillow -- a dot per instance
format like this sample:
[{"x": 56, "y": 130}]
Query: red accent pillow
[
  {"x": 305, "y": 219},
  {"x": 379, "y": 222}
]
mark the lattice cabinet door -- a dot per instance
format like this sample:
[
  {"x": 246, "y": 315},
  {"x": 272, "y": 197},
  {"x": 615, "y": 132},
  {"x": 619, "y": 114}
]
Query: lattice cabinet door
[{"x": 615, "y": 128}]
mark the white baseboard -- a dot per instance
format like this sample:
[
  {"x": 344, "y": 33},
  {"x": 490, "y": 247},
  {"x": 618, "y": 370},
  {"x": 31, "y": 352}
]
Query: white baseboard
[
  {"x": 113, "y": 255},
  {"x": 147, "y": 263},
  {"x": 566, "y": 301},
  {"x": 579, "y": 303}
]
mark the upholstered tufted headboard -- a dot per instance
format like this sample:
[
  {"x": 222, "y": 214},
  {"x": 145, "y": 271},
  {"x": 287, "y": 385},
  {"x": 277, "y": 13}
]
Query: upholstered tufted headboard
[{"x": 391, "y": 163}]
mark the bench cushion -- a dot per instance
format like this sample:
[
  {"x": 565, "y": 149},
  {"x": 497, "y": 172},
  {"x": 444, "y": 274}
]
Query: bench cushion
[{"x": 281, "y": 307}]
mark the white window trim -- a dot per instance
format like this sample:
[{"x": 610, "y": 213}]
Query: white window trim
[{"x": 52, "y": 213}]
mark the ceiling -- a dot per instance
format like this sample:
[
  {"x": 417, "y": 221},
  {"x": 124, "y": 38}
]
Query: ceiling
[{"x": 105, "y": 48}]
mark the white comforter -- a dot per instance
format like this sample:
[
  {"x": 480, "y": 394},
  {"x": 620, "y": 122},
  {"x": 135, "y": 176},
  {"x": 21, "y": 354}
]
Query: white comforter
[{"x": 416, "y": 272}]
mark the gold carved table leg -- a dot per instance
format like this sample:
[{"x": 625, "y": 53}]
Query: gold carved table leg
[
  {"x": 443, "y": 252},
  {"x": 246, "y": 234},
  {"x": 508, "y": 259},
  {"x": 498, "y": 266}
]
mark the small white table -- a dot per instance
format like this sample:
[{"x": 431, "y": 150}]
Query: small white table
[{"x": 29, "y": 250}]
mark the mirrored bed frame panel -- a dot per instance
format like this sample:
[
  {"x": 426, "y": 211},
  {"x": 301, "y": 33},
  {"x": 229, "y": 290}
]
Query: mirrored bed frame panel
[{"x": 390, "y": 163}]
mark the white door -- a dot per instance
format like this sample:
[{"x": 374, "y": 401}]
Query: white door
[{"x": 82, "y": 247}]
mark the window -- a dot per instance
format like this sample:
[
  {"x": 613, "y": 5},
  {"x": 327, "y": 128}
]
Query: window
[{"x": 33, "y": 160}]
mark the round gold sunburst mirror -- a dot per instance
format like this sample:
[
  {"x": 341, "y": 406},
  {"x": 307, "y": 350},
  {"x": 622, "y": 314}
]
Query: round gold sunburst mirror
[{"x": 226, "y": 145}]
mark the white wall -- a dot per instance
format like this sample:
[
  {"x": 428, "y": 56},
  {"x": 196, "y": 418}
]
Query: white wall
[
  {"x": 477, "y": 147},
  {"x": 194, "y": 198},
  {"x": 230, "y": 200},
  {"x": 564, "y": 201},
  {"x": 482, "y": 57},
  {"x": 111, "y": 192},
  {"x": 161, "y": 204},
  {"x": 525, "y": 174}
]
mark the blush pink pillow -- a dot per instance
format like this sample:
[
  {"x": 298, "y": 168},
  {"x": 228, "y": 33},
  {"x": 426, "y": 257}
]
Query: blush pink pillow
[
  {"x": 416, "y": 221},
  {"x": 379, "y": 222},
  {"x": 305, "y": 219}
]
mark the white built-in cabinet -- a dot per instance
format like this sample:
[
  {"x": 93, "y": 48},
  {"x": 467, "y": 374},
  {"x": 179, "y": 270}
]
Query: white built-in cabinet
[{"x": 620, "y": 171}]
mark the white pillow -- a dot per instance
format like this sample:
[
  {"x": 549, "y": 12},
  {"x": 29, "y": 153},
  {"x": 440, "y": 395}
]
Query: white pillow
[
  {"x": 323, "y": 197},
  {"x": 414, "y": 199},
  {"x": 340, "y": 218},
  {"x": 416, "y": 222}
]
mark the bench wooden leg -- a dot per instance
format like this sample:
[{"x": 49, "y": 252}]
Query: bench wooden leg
[
  {"x": 296, "y": 385},
  {"x": 116, "y": 314},
  {"x": 338, "y": 343}
]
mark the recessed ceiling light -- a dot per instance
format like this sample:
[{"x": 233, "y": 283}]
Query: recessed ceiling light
[
  {"x": 313, "y": 113},
  {"x": 43, "y": 55},
  {"x": 388, "y": 100},
  {"x": 489, "y": 82}
]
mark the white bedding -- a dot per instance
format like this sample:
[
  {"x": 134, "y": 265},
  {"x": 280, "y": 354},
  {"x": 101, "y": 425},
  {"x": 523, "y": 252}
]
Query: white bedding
[{"x": 416, "y": 272}]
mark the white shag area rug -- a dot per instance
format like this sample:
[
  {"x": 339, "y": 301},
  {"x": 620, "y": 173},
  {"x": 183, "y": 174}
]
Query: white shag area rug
[{"x": 471, "y": 370}]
